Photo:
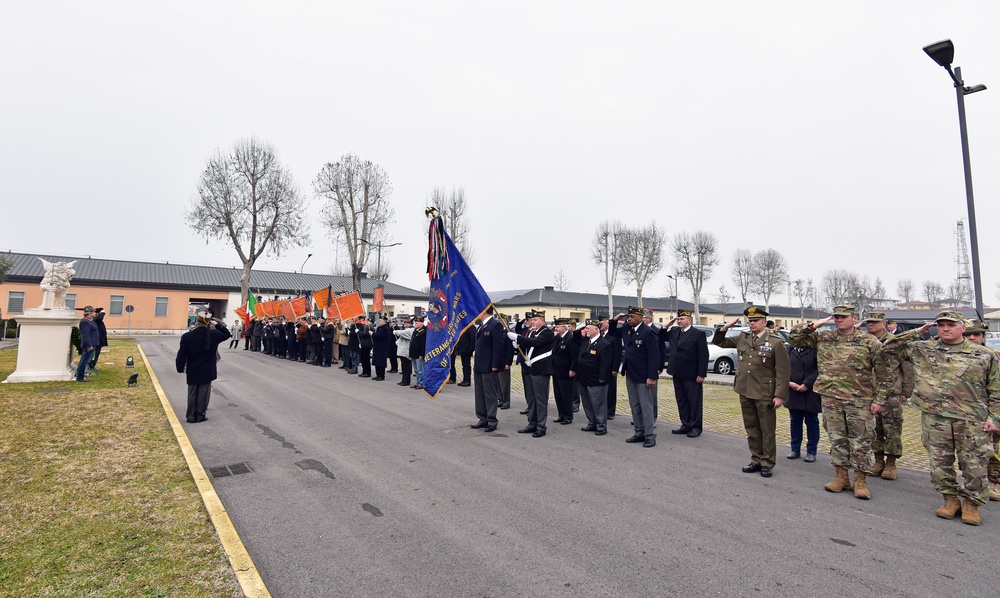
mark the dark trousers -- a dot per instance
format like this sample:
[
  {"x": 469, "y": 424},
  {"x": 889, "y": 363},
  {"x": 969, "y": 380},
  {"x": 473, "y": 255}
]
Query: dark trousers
[
  {"x": 612, "y": 394},
  {"x": 246, "y": 343},
  {"x": 811, "y": 420},
  {"x": 293, "y": 348},
  {"x": 235, "y": 342},
  {"x": 317, "y": 353},
  {"x": 407, "y": 370},
  {"x": 689, "y": 395},
  {"x": 303, "y": 350},
  {"x": 536, "y": 392},
  {"x": 504, "y": 377},
  {"x": 365, "y": 356},
  {"x": 97, "y": 355},
  {"x": 394, "y": 362},
  {"x": 487, "y": 397},
  {"x": 328, "y": 352},
  {"x": 564, "y": 390},
  {"x": 198, "y": 396}
]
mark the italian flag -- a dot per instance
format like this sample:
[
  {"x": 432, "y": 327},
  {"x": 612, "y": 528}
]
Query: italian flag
[{"x": 251, "y": 303}]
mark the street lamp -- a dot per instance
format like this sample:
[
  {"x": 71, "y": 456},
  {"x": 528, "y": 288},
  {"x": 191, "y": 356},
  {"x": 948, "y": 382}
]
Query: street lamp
[
  {"x": 674, "y": 278},
  {"x": 379, "y": 247},
  {"x": 943, "y": 52},
  {"x": 302, "y": 267}
]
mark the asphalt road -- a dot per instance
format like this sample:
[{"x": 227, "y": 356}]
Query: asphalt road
[{"x": 362, "y": 488}]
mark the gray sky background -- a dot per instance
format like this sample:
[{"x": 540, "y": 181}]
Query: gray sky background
[{"x": 819, "y": 129}]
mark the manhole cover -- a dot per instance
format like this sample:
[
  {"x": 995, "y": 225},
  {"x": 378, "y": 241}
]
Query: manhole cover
[{"x": 222, "y": 471}]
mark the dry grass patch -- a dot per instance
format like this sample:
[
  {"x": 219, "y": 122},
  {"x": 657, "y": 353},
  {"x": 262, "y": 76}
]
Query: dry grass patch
[{"x": 98, "y": 499}]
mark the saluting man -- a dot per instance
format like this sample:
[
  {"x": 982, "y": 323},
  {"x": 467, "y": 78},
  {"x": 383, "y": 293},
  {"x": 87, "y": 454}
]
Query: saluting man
[
  {"x": 592, "y": 373},
  {"x": 642, "y": 361},
  {"x": 761, "y": 382},
  {"x": 538, "y": 371}
]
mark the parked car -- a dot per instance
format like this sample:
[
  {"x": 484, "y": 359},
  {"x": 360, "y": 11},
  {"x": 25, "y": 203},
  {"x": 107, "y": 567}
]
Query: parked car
[{"x": 720, "y": 361}]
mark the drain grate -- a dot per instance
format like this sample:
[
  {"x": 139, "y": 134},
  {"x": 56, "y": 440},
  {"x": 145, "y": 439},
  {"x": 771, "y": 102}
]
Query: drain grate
[{"x": 222, "y": 471}]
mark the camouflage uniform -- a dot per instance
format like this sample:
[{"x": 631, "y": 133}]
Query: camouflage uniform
[
  {"x": 852, "y": 375},
  {"x": 957, "y": 390},
  {"x": 889, "y": 423}
]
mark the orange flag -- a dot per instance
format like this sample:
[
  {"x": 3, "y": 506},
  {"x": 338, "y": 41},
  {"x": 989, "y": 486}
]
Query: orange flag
[
  {"x": 379, "y": 301},
  {"x": 268, "y": 307},
  {"x": 350, "y": 305},
  {"x": 299, "y": 307},
  {"x": 259, "y": 310},
  {"x": 322, "y": 298},
  {"x": 241, "y": 311},
  {"x": 332, "y": 312},
  {"x": 286, "y": 310}
]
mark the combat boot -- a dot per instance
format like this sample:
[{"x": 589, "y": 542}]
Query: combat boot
[
  {"x": 861, "y": 486},
  {"x": 889, "y": 473},
  {"x": 994, "y": 491},
  {"x": 970, "y": 513},
  {"x": 950, "y": 508},
  {"x": 879, "y": 464},
  {"x": 839, "y": 481}
]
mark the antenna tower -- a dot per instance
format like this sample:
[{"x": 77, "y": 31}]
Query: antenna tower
[{"x": 963, "y": 276}]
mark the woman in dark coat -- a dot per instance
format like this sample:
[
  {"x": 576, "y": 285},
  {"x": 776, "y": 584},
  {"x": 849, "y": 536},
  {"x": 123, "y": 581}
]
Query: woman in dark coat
[
  {"x": 102, "y": 333},
  {"x": 380, "y": 347},
  {"x": 803, "y": 404}
]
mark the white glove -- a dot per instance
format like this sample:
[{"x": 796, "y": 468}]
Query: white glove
[
  {"x": 512, "y": 336},
  {"x": 514, "y": 343}
]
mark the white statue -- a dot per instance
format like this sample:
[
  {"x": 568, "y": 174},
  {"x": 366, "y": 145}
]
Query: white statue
[{"x": 55, "y": 283}]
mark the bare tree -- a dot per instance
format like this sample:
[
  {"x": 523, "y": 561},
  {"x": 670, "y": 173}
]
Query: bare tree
[
  {"x": 905, "y": 289},
  {"x": 959, "y": 293},
  {"x": 357, "y": 207},
  {"x": 452, "y": 207},
  {"x": 741, "y": 271},
  {"x": 770, "y": 274},
  {"x": 836, "y": 286},
  {"x": 604, "y": 250},
  {"x": 932, "y": 292},
  {"x": 249, "y": 198},
  {"x": 696, "y": 256},
  {"x": 724, "y": 298},
  {"x": 879, "y": 298},
  {"x": 560, "y": 284},
  {"x": 641, "y": 254},
  {"x": 804, "y": 292}
]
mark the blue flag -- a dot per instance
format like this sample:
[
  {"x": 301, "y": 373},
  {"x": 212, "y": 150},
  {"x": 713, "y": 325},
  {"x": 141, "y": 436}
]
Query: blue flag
[{"x": 456, "y": 301}]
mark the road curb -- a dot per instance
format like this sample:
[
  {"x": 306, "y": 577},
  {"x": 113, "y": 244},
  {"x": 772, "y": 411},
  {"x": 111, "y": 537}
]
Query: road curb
[{"x": 246, "y": 573}]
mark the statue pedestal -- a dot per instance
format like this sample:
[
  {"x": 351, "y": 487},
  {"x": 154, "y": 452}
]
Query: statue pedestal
[{"x": 44, "y": 353}]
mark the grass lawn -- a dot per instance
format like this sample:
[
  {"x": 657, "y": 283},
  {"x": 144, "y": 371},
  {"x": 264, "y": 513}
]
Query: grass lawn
[{"x": 97, "y": 498}]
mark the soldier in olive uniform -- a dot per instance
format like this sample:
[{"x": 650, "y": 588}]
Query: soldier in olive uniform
[
  {"x": 853, "y": 380},
  {"x": 976, "y": 331},
  {"x": 888, "y": 442},
  {"x": 762, "y": 383},
  {"x": 958, "y": 393}
]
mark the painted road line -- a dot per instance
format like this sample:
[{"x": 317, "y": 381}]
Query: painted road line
[{"x": 246, "y": 573}]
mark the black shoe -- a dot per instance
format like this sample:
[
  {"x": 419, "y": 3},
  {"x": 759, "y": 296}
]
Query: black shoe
[
  {"x": 402, "y": 384},
  {"x": 364, "y": 375},
  {"x": 465, "y": 383},
  {"x": 190, "y": 420},
  {"x": 600, "y": 433},
  {"x": 635, "y": 438},
  {"x": 378, "y": 379},
  {"x": 649, "y": 443},
  {"x": 752, "y": 468},
  {"x": 527, "y": 430},
  {"x": 589, "y": 428},
  {"x": 765, "y": 472},
  {"x": 504, "y": 407},
  {"x": 538, "y": 434},
  {"x": 393, "y": 371},
  {"x": 611, "y": 416},
  {"x": 491, "y": 429},
  {"x": 694, "y": 433},
  {"x": 576, "y": 408},
  {"x": 566, "y": 422},
  {"x": 478, "y": 425},
  {"x": 523, "y": 412},
  {"x": 681, "y": 430},
  {"x": 558, "y": 420}
]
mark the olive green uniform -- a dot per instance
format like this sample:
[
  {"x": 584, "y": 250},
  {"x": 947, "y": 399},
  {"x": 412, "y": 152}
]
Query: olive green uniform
[{"x": 889, "y": 423}]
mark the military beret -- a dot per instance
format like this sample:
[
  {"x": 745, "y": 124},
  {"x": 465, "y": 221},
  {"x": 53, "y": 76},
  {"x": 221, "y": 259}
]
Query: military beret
[
  {"x": 565, "y": 321},
  {"x": 753, "y": 312},
  {"x": 684, "y": 313},
  {"x": 593, "y": 322},
  {"x": 604, "y": 317},
  {"x": 638, "y": 311},
  {"x": 875, "y": 316},
  {"x": 952, "y": 316},
  {"x": 843, "y": 310},
  {"x": 974, "y": 326}
]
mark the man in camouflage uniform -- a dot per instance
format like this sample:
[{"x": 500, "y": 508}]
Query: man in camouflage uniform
[
  {"x": 762, "y": 383},
  {"x": 958, "y": 394},
  {"x": 853, "y": 380},
  {"x": 976, "y": 331},
  {"x": 888, "y": 442}
]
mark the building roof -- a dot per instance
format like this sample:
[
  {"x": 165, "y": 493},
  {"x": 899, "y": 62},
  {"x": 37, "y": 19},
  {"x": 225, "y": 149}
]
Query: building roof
[
  {"x": 777, "y": 311},
  {"x": 549, "y": 296},
  {"x": 107, "y": 272}
]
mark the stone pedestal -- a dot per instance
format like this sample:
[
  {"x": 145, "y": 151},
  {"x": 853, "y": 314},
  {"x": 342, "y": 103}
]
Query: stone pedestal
[{"x": 43, "y": 352}]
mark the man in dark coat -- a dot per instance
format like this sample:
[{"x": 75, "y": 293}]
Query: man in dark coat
[
  {"x": 688, "y": 365},
  {"x": 804, "y": 404},
  {"x": 89, "y": 340},
  {"x": 292, "y": 352},
  {"x": 489, "y": 348},
  {"x": 614, "y": 338},
  {"x": 353, "y": 346},
  {"x": 508, "y": 360},
  {"x": 102, "y": 335},
  {"x": 564, "y": 354},
  {"x": 381, "y": 339},
  {"x": 642, "y": 362},
  {"x": 365, "y": 346},
  {"x": 593, "y": 370},
  {"x": 197, "y": 358},
  {"x": 281, "y": 343},
  {"x": 329, "y": 330},
  {"x": 464, "y": 348},
  {"x": 537, "y": 344}
]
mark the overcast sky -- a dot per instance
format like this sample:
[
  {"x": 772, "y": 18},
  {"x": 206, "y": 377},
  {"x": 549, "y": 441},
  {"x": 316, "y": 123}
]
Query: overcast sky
[{"x": 817, "y": 129}]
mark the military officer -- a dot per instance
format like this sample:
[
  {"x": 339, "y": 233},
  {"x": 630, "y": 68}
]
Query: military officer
[
  {"x": 976, "y": 331},
  {"x": 957, "y": 391},
  {"x": 592, "y": 373},
  {"x": 887, "y": 445},
  {"x": 853, "y": 381},
  {"x": 762, "y": 383},
  {"x": 537, "y": 342},
  {"x": 641, "y": 361}
]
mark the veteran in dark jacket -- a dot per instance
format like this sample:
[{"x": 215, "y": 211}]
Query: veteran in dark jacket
[
  {"x": 641, "y": 360},
  {"x": 536, "y": 343},
  {"x": 564, "y": 353},
  {"x": 592, "y": 373},
  {"x": 197, "y": 358},
  {"x": 688, "y": 366},
  {"x": 761, "y": 382},
  {"x": 804, "y": 404}
]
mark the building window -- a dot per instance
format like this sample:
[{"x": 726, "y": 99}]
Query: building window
[
  {"x": 117, "y": 305},
  {"x": 15, "y": 302},
  {"x": 161, "y": 307},
  {"x": 70, "y": 300}
]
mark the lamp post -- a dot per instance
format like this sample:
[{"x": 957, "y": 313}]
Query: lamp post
[
  {"x": 302, "y": 267},
  {"x": 378, "y": 248},
  {"x": 943, "y": 53},
  {"x": 674, "y": 278}
]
